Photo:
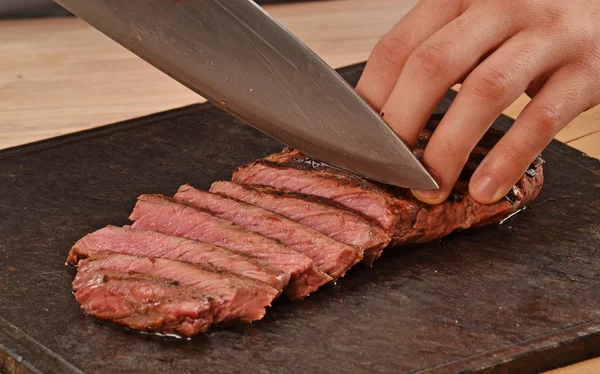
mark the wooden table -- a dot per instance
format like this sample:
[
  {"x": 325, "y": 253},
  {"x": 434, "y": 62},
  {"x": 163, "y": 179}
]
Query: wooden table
[{"x": 58, "y": 76}]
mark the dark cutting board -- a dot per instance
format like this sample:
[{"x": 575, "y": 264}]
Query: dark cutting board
[{"x": 522, "y": 296}]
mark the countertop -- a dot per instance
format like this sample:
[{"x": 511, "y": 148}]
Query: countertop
[{"x": 59, "y": 75}]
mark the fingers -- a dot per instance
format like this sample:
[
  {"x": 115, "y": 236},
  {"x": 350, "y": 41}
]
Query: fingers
[
  {"x": 389, "y": 55},
  {"x": 487, "y": 91},
  {"x": 536, "y": 85},
  {"x": 557, "y": 103},
  {"x": 437, "y": 64}
]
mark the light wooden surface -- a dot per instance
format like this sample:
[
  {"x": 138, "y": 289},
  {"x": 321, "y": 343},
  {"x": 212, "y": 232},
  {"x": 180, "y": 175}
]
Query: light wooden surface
[
  {"x": 585, "y": 367},
  {"x": 58, "y": 76}
]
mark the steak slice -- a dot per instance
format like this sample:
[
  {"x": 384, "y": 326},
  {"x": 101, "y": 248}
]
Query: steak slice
[
  {"x": 173, "y": 217},
  {"x": 154, "y": 244},
  {"x": 407, "y": 220},
  {"x": 242, "y": 298},
  {"x": 290, "y": 171},
  {"x": 323, "y": 215},
  {"x": 331, "y": 256},
  {"x": 142, "y": 302}
]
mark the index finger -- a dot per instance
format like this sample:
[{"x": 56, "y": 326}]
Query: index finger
[{"x": 391, "y": 52}]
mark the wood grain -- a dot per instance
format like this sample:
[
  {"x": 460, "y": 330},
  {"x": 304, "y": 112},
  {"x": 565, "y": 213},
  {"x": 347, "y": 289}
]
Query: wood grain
[{"x": 60, "y": 75}]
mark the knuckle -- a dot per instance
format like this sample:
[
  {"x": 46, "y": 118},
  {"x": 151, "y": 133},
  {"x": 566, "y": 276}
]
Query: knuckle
[
  {"x": 429, "y": 61},
  {"x": 589, "y": 62},
  {"x": 545, "y": 120},
  {"x": 555, "y": 18},
  {"x": 463, "y": 24},
  {"x": 513, "y": 155},
  {"x": 391, "y": 51},
  {"x": 490, "y": 86},
  {"x": 448, "y": 149}
]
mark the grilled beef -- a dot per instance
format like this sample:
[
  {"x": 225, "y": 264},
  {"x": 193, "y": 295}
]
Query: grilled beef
[
  {"x": 407, "y": 220},
  {"x": 143, "y": 302},
  {"x": 212, "y": 257},
  {"x": 331, "y": 256},
  {"x": 242, "y": 298},
  {"x": 153, "y": 244},
  {"x": 291, "y": 172},
  {"x": 323, "y": 215},
  {"x": 173, "y": 217}
]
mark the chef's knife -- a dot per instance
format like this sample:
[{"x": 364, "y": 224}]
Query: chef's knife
[{"x": 238, "y": 57}]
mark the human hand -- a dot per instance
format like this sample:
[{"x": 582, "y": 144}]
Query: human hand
[{"x": 499, "y": 49}]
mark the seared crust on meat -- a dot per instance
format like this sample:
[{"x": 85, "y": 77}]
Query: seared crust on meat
[{"x": 406, "y": 219}]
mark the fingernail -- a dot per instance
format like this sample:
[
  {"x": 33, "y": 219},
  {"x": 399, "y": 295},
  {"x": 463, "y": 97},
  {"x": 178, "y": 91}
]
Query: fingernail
[
  {"x": 428, "y": 196},
  {"x": 485, "y": 187}
]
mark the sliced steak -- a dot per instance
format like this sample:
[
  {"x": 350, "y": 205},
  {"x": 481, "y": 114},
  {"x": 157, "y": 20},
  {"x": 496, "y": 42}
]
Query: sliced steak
[
  {"x": 142, "y": 302},
  {"x": 243, "y": 299},
  {"x": 331, "y": 256},
  {"x": 154, "y": 244},
  {"x": 408, "y": 220},
  {"x": 173, "y": 217},
  {"x": 292, "y": 172},
  {"x": 332, "y": 219}
]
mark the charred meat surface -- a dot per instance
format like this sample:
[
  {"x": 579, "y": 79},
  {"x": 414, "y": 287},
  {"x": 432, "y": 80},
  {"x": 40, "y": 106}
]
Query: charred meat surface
[
  {"x": 284, "y": 222},
  {"x": 338, "y": 222},
  {"x": 407, "y": 220},
  {"x": 154, "y": 244},
  {"x": 242, "y": 298},
  {"x": 331, "y": 256},
  {"x": 143, "y": 302},
  {"x": 173, "y": 217},
  {"x": 290, "y": 171}
]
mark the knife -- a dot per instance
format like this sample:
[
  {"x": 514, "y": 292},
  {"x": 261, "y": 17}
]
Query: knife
[{"x": 235, "y": 55}]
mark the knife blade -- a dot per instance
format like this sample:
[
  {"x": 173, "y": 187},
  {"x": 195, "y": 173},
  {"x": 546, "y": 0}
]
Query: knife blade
[{"x": 238, "y": 57}]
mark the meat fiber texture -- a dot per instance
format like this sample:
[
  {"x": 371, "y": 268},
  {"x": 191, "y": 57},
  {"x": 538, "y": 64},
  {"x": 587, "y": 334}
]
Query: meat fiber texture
[
  {"x": 239, "y": 298},
  {"x": 172, "y": 217},
  {"x": 145, "y": 303},
  {"x": 285, "y": 223},
  {"x": 332, "y": 257},
  {"x": 154, "y": 244},
  {"x": 323, "y": 215},
  {"x": 404, "y": 218}
]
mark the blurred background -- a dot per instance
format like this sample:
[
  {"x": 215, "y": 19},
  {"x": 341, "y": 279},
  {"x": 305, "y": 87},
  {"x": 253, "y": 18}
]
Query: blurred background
[
  {"x": 48, "y": 8},
  {"x": 30, "y": 8}
]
